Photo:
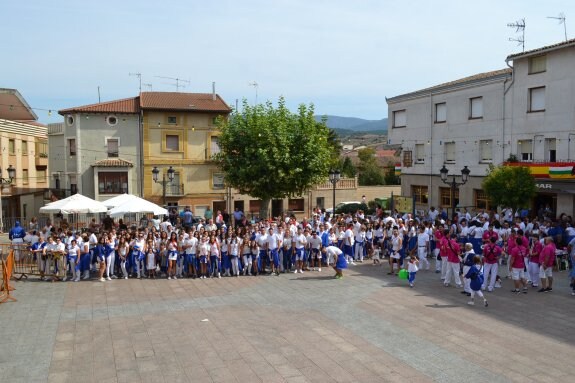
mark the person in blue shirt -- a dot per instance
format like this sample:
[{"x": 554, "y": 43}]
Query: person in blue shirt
[
  {"x": 38, "y": 250},
  {"x": 476, "y": 281},
  {"x": 16, "y": 235}
]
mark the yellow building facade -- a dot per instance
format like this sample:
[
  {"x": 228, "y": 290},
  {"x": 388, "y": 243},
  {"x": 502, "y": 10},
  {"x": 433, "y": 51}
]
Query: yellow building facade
[{"x": 179, "y": 131}]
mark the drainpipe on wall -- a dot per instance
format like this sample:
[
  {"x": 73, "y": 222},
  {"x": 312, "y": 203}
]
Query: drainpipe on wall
[
  {"x": 504, "y": 94},
  {"x": 141, "y": 154},
  {"x": 429, "y": 190}
]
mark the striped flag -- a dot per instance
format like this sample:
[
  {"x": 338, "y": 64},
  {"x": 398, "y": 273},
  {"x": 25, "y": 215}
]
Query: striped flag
[
  {"x": 560, "y": 171},
  {"x": 397, "y": 170}
]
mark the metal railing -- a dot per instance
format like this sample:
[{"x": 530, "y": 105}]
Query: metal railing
[{"x": 174, "y": 190}]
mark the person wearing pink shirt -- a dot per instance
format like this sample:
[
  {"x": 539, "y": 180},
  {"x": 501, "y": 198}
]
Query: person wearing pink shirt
[
  {"x": 517, "y": 264},
  {"x": 546, "y": 262},
  {"x": 452, "y": 250},
  {"x": 491, "y": 254},
  {"x": 490, "y": 233},
  {"x": 438, "y": 236},
  {"x": 533, "y": 267}
]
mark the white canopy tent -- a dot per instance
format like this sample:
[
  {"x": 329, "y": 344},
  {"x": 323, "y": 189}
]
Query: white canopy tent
[
  {"x": 137, "y": 205},
  {"x": 118, "y": 200},
  {"x": 75, "y": 204}
]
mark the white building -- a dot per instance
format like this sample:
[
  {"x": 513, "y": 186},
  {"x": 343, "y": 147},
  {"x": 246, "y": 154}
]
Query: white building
[
  {"x": 96, "y": 150},
  {"x": 526, "y": 112}
]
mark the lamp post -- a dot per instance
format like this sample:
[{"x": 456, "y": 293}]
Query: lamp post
[
  {"x": 334, "y": 177},
  {"x": 163, "y": 182},
  {"x": 5, "y": 181},
  {"x": 453, "y": 184}
]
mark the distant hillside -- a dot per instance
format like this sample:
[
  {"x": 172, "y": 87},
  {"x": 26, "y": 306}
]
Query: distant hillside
[{"x": 353, "y": 124}]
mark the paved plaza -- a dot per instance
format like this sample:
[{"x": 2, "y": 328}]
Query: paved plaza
[{"x": 367, "y": 327}]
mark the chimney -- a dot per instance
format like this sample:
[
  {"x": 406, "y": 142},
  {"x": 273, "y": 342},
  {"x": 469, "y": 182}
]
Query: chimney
[{"x": 214, "y": 91}]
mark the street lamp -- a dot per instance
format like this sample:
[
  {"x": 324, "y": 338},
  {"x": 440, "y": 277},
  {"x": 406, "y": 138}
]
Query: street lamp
[
  {"x": 454, "y": 184},
  {"x": 163, "y": 182},
  {"x": 5, "y": 181},
  {"x": 334, "y": 176}
]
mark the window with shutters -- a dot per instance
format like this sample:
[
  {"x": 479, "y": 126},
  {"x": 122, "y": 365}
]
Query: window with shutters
[
  {"x": 551, "y": 149},
  {"x": 419, "y": 153},
  {"x": 172, "y": 141},
  {"x": 486, "y": 151},
  {"x": 450, "y": 152},
  {"x": 113, "y": 145},
  {"x": 407, "y": 158},
  {"x": 24, "y": 148},
  {"x": 214, "y": 145},
  {"x": 475, "y": 107},
  {"x": 11, "y": 146},
  {"x": 25, "y": 176},
  {"x": 445, "y": 197},
  {"x": 525, "y": 149},
  {"x": 480, "y": 199},
  {"x": 440, "y": 112},
  {"x": 72, "y": 146},
  {"x": 537, "y": 99},
  {"x": 419, "y": 193},
  {"x": 112, "y": 182},
  {"x": 399, "y": 119},
  {"x": 537, "y": 64}
]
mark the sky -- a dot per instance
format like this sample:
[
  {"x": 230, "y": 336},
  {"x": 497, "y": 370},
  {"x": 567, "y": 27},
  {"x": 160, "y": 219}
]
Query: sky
[{"x": 343, "y": 56}]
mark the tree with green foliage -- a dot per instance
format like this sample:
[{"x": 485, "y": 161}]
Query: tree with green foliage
[
  {"x": 509, "y": 186},
  {"x": 370, "y": 173},
  {"x": 347, "y": 168},
  {"x": 334, "y": 144},
  {"x": 269, "y": 152}
]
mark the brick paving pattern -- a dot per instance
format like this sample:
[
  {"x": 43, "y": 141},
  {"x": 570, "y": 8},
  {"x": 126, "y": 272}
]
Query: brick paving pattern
[{"x": 367, "y": 327}]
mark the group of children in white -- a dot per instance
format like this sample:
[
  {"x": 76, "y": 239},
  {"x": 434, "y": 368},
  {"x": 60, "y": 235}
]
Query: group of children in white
[{"x": 473, "y": 250}]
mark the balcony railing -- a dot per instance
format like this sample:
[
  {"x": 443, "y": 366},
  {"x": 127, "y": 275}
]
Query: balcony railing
[
  {"x": 175, "y": 190},
  {"x": 344, "y": 183}
]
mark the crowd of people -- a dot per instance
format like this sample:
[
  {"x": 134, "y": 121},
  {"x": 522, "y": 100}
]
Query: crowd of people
[{"x": 472, "y": 253}]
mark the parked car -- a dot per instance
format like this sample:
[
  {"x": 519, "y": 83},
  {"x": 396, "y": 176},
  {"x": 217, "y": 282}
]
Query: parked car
[{"x": 341, "y": 205}]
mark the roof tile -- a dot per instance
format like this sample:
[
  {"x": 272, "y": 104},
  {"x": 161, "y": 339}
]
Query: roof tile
[
  {"x": 531, "y": 52},
  {"x": 183, "y": 102},
  {"x": 468, "y": 79},
  {"x": 126, "y": 105},
  {"x": 113, "y": 163}
]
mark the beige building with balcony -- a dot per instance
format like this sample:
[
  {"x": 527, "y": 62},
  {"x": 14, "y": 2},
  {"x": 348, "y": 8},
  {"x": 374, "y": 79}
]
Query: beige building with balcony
[
  {"x": 179, "y": 131},
  {"x": 24, "y": 148}
]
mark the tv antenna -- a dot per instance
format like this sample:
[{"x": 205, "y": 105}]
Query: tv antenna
[
  {"x": 561, "y": 18},
  {"x": 149, "y": 85},
  {"x": 139, "y": 76},
  {"x": 519, "y": 27},
  {"x": 255, "y": 85},
  {"x": 177, "y": 83}
]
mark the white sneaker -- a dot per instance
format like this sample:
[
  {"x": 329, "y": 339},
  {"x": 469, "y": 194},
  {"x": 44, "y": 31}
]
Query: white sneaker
[
  {"x": 108, "y": 278},
  {"x": 77, "y": 279},
  {"x": 102, "y": 279},
  {"x": 174, "y": 277},
  {"x": 301, "y": 271},
  {"x": 125, "y": 277},
  {"x": 319, "y": 269},
  {"x": 353, "y": 263},
  {"x": 219, "y": 276},
  {"x": 169, "y": 278},
  {"x": 64, "y": 279},
  {"x": 295, "y": 271},
  {"x": 114, "y": 277},
  {"x": 471, "y": 303}
]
